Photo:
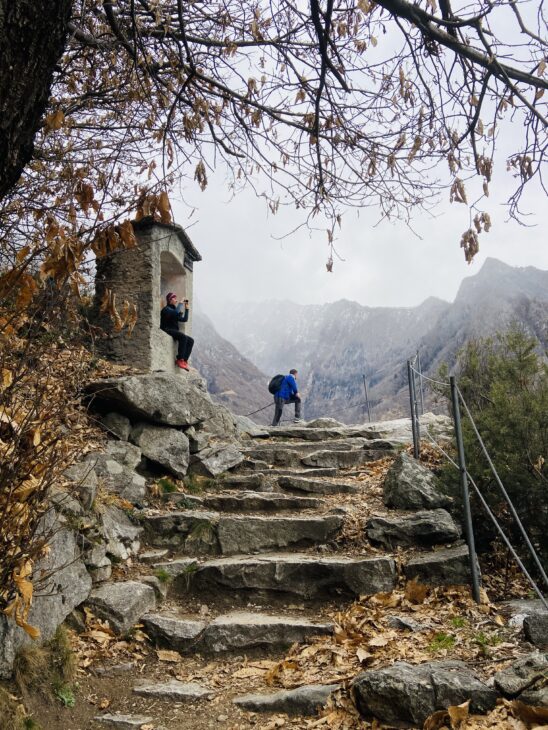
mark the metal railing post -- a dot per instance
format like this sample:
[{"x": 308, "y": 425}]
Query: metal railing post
[
  {"x": 416, "y": 453},
  {"x": 366, "y": 398},
  {"x": 468, "y": 527},
  {"x": 419, "y": 368}
]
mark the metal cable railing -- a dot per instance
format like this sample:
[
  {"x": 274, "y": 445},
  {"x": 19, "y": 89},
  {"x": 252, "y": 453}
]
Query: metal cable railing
[{"x": 457, "y": 397}]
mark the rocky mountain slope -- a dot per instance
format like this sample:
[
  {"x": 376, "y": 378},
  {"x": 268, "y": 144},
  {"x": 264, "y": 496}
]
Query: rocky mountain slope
[
  {"x": 333, "y": 345},
  {"x": 231, "y": 378}
]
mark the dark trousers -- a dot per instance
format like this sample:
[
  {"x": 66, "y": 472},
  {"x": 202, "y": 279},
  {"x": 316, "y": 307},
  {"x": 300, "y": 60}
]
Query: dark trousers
[
  {"x": 185, "y": 343},
  {"x": 279, "y": 407}
]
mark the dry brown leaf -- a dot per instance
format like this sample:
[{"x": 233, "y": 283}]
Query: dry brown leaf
[
  {"x": 529, "y": 713},
  {"x": 363, "y": 656},
  {"x": 458, "y": 714},
  {"x": 415, "y": 592},
  {"x": 436, "y": 721},
  {"x": 166, "y": 655}
]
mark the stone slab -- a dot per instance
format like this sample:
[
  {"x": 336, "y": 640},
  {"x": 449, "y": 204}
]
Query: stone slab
[
  {"x": 343, "y": 459},
  {"x": 171, "y": 631},
  {"x": 177, "y": 567},
  {"x": 308, "y": 576},
  {"x": 259, "y": 502},
  {"x": 248, "y": 534},
  {"x": 192, "y": 530},
  {"x": 241, "y": 630},
  {"x": 306, "y": 700},
  {"x": 122, "y": 604},
  {"x": 123, "y": 722},
  {"x": 216, "y": 460},
  {"x": 167, "y": 447},
  {"x": 316, "y": 486},
  {"x": 173, "y": 690},
  {"x": 440, "y": 567}
]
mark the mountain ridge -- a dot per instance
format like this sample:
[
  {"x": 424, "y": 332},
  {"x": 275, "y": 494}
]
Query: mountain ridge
[{"x": 334, "y": 344}]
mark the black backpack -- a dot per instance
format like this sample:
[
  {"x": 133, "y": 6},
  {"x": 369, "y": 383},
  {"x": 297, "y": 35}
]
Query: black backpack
[{"x": 275, "y": 384}]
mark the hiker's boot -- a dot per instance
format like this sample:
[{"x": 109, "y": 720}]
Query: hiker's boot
[{"x": 181, "y": 364}]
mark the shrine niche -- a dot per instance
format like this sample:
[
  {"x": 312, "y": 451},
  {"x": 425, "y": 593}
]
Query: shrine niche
[{"x": 162, "y": 261}]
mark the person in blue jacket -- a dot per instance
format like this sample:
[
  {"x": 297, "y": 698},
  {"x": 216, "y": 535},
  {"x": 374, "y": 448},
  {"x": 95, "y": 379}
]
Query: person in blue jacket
[
  {"x": 170, "y": 316},
  {"x": 288, "y": 393}
]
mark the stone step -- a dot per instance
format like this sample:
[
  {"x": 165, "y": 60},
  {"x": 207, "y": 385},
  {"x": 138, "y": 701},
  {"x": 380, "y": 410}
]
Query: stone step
[
  {"x": 440, "y": 567},
  {"x": 316, "y": 486},
  {"x": 250, "y": 502},
  {"x": 235, "y": 631},
  {"x": 173, "y": 689},
  {"x": 423, "y": 529},
  {"x": 308, "y": 576},
  {"x": 304, "y": 433},
  {"x": 306, "y": 700},
  {"x": 199, "y": 533},
  {"x": 303, "y": 446},
  {"x": 120, "y": 721},
  {"x": 343, "y": 459}
]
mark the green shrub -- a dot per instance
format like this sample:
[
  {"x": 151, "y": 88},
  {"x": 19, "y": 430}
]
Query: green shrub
[{"x": 504, "y": 381}]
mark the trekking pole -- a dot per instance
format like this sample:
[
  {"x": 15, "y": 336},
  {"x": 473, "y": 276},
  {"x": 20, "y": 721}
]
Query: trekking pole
[
  {"x": 468, "y": 526},
  {"x": 419, "y": 368}
]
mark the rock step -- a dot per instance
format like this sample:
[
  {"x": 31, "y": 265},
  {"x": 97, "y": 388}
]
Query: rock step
[
  {"x": 303, "y": 446},
  {"x": 123, "y": 722},
  {"x": 235, "y": 631},
  {"x": 198, "y": 533},
  {"x": 293, "y": 481},
  {"x": 121, "y": 604},
  {"x": 304, "y": 433},
  {"x": 172, "y": 690},
  {"x": 248, "y": 501},
  {"x": 308, "y": 454},
  {"x": 316, "y": 486},
  {"x": 305, "y": 700},
  {"x": 308, "y": 576}
]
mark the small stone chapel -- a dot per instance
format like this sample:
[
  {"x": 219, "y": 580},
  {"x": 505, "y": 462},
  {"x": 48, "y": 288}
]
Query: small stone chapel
[{"x": 162, "y": 261}]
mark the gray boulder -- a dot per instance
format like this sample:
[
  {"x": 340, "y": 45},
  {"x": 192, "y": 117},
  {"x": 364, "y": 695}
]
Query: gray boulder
[
  {"x": 197, "y": 440},
  {"x": 117, "y": 424},
  {"x": 121, "y": 535},
  {"x": 158, "y": 397},
  {"x": 122, "y": 604},
  {"x": 165, "y": 446},
  {"x": 246, "y": 427},
  {"x": 64, "y": 585},
  {"x": 411, "y": 485},
  {"x": 535, "y": 628},
  {"x": 424, "y": 528},
  {"x": 407, "y": 693},
  {"x": 215, "y": 460},
  {"x": 116, "y": 467},
  {"x": 305, "y": 700},
  {"x": 527, "y": 673},
  {"x": 85, "y": 482}
]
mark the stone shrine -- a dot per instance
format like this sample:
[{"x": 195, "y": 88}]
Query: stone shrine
[{"x": 162, "y": 261}]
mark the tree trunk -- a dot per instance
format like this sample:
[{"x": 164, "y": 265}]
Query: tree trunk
[{"x": 32, "y": 38}]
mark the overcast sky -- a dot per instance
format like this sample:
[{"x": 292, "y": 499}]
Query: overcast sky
[{"x": 383, "y": 266}]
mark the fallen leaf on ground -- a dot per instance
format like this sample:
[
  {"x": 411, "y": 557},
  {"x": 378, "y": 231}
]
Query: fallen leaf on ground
[{"x": 166, "y": 655}]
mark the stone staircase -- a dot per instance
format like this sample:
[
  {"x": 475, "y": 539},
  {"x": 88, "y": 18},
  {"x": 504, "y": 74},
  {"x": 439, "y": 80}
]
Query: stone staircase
[{"x": 257, "y": 560}]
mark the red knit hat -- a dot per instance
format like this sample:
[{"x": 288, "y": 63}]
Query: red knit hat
[{"x": 169, "y": 296}]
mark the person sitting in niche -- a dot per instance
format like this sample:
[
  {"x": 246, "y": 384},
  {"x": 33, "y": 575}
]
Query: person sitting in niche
[{"x": 170, "y": 316}]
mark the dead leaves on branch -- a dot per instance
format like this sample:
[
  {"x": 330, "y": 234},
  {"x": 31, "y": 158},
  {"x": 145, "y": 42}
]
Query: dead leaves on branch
[{"x": 125, "y": 317}]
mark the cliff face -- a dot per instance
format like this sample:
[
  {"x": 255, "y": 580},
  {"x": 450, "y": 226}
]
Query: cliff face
[
  {"x": 231, "y": 378},
  {"x": 333, "y": 345}
]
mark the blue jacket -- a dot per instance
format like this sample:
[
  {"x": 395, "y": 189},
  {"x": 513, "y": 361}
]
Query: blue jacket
[
  {"x": 170, "y": 317},
  {"x": 289, "y": 388}
]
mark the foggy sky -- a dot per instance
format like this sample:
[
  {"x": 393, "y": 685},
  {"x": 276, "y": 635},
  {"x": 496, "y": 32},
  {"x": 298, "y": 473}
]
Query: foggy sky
[{"x": 386, "y": 265}]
